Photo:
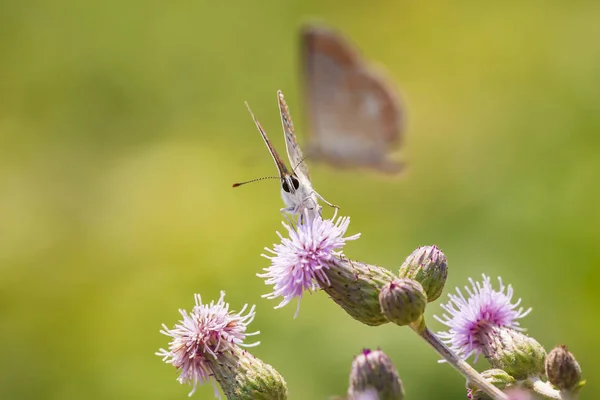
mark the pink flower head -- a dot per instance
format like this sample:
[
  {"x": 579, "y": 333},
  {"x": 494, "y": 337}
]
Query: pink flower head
[
  {"x": 517, "y": 393},
  {"x": 202, "y": 335},
  {"x": 471, "y": 318},
  {"x": 298, "y": 263},
  {"x": 368, "y": 394}
]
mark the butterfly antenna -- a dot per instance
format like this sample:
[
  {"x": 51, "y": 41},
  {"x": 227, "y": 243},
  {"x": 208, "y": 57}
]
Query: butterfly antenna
[
  {"x": 297, "y": 165},
  {"x": 255, "y": 180}
]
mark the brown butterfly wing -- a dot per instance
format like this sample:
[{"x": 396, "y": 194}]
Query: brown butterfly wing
[
  {"x": 291, "y": 144},
  {"x": 355, "y": 117},
  {"x": 283, "y": 171}
]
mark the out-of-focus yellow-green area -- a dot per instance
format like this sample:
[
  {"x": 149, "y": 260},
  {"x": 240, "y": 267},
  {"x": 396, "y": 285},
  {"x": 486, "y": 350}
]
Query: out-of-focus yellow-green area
[{"x": 123, "y": 126}]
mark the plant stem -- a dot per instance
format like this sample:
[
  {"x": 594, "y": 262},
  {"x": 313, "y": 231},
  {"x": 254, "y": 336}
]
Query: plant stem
[{"x": 459, "y": 364}]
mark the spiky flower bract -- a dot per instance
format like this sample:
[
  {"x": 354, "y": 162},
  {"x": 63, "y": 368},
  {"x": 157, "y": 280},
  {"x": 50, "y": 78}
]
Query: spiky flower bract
[
  {"x": 428, "y": 266},
  {"x": 403, "y": 301},
  {"x": 562, "y": 369},
  {"x": 245, "y": 377},
  {"x": 202, "y": 336},
  {"x": 519, "y": 355},
  {"x": 373, "y": 370},
  {"x": 299, "y": 261},
  {"x": 497, "y": 377},
  {"x": 470, "y": 319},
  {"x": 355, "y": 286}
]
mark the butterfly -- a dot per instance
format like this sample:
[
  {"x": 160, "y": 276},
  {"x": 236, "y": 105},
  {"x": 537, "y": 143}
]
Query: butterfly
[
  {"x": 354, "y": 115},
  {"x": 297, "y": 192}
]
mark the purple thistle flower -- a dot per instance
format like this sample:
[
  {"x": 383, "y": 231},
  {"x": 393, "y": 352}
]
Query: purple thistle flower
[
  {"x": 472, "y": 318},
  {"x": 202, "y": 335},
  {"x": 298, "y": 262}
]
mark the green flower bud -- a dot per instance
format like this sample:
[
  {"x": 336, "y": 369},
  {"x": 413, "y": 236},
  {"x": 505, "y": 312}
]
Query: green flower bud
[
  {"x": 496, "y": 377},
  {"x": 373, "y": 376},
  {"x": 245, "y": 377},
  {"x": 355, "y": 287},
  {"x": 562, "y": 369},
  {"x": 428, "y": 266},
  {"x": 519, "y": 355},
  {"x": 402, "y": 301}
]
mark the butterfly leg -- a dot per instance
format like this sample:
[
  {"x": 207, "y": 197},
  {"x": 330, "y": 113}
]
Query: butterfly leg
[
  {"x": 286, "y": 211},
  {"x": 311, "y": 210},
  {"x": 311, "y": 213},
  {"x": 324, "y": 201}
]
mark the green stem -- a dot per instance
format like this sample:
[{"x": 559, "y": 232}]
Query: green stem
[{"x": 459, "y": 364}]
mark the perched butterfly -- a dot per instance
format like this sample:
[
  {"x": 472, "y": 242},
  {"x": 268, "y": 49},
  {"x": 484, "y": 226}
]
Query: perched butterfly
[
  {"x": 354, "y": 116},
  {"x": 296, "y": 189}
]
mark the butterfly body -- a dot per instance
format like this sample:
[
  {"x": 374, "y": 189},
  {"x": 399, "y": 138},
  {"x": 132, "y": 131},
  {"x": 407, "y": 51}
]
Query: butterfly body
[{"x": 298, "y": 195}]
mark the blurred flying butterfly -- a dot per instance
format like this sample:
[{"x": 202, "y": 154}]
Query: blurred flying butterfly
[
  {"x": 355, "y": 117},
  {"x": 296, "y": 189}
]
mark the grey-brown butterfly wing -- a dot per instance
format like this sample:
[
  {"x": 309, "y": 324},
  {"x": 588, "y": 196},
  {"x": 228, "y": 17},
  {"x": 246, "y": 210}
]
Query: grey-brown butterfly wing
[
  {"x": 296, "y": 190},
  {"x": 297, "y": 160},
  {"x": 281, "y": 169},
  {"x": 355, "y": 117},
  {"x": 291, "y": 144}
]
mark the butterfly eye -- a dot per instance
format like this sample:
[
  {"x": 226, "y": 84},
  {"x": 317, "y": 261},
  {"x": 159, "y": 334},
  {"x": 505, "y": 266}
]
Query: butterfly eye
[{"x": 295, "y": 182}]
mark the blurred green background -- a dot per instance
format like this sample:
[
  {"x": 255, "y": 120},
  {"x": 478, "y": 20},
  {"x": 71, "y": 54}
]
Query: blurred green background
[{"x": 123, "y": 126}]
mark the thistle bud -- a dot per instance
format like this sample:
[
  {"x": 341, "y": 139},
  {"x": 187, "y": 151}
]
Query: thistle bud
[
  {"x": 562, "y": 369},
  {"x": 402, "y": 301},
  {"x": 428, "y": 266},
  {"x": 355, "y": 287},
  {"x": 245, "y": 377},
  {"x": 519, "y": 355},
  {"x": 373, "y": 376},
  {"x": 496, "y": 377}
]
